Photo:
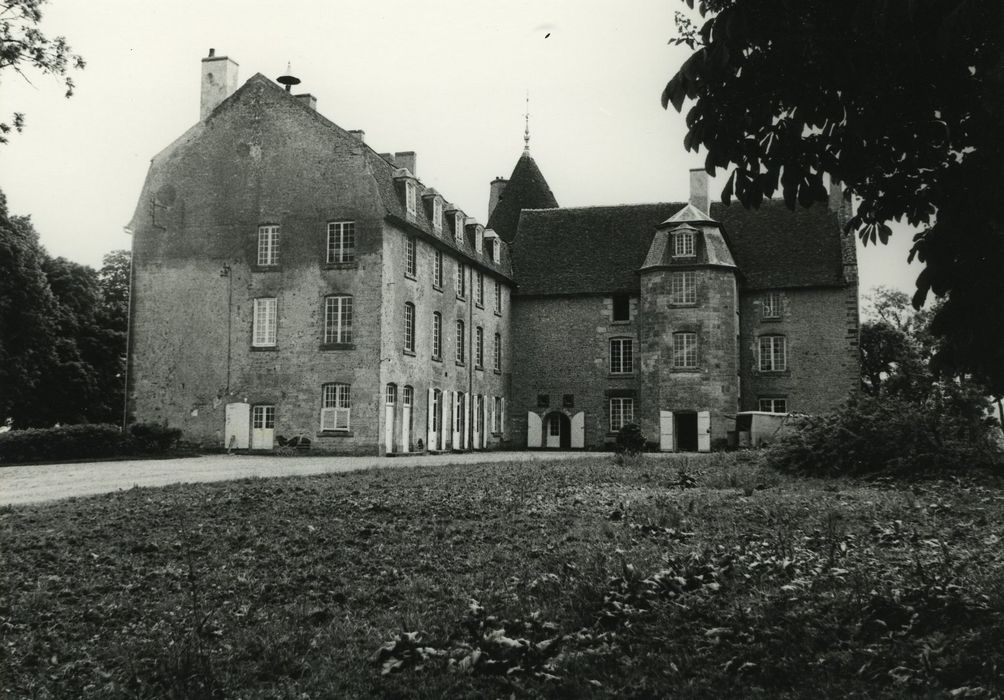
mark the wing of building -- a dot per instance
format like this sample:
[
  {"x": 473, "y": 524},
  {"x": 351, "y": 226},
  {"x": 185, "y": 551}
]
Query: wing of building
[{"x": 290, "y": 281}]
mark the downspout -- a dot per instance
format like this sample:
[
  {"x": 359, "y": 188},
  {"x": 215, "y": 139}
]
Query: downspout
[{"x": 470, "y": 361}]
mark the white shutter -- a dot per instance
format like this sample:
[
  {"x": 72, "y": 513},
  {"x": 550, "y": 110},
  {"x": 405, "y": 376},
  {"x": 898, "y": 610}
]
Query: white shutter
[
  {"x": 443, "y": 410},
  {"x": 484, "y": 421},
  {"x": 533, "y": 429},
  {"x": 467, "y": 421},
  {"x": 430, "y": 436},
  {"x": 666, "y": 431},
  {"x": 578, "y": 430},
  {"x": 704, "y": 431},
  {"x": 456, "y": 407},
  {"x": 342, "y": 416},
  {"x": 328, "y": 420},
  {"x": 502, "y": 419}
]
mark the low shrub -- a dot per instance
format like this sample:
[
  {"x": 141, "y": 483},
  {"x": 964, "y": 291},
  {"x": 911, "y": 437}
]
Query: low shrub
[
  {"x": 66, "y": 442},
  {"x": 153, "y": 437},
  {"x": 630, "y": 440},
  {"x": 873, "y": 434},
  {"x": 88, "y": 441}
]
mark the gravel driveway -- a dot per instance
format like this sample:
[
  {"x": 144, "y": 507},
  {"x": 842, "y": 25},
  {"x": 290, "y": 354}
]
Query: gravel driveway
[{"x": 48, "y": 482}]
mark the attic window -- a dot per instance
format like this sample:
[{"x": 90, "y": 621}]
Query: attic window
[
  {"x": 479, "y": 240},
  {"x": 683, "y": 243},
  {"x": 458, "y": 227},
  {"x": 410, "y": 196},
  {"x": 622, "y": 307},
  {"x": 437, "y": 215}
]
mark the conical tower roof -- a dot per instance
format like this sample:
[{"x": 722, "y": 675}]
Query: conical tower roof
[{"x": 526, "y": 189}]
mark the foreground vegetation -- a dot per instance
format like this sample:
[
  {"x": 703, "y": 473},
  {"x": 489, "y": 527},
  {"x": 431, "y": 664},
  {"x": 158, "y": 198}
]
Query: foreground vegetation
[{"x": 684, "y": 577}]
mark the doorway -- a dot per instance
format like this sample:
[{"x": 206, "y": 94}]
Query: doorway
[
  {"x": 262, "y": 427},
  {"x": 686, "y": 431},
  {"x": 558, "y": 431}
]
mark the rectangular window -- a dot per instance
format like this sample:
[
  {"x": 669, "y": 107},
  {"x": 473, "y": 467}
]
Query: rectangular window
[
  {"x": 264, "y": 325},
  {"x": 479, "y": 347},
  {"x": 683, "y": 289},
  {"x": 408, "y": 396},
  {"x": 568, "y": 400},
  {"x": 771, "y": 305},
  {"x": 437, "y": 270},
  {"x": 409, "y": 327},
  {"x": 410, "y": 263},
  {"x": 498, "y": 352},
  {"x": 685, "y": 350},
  {"x": 498, "y": 297},
  {"x": 458, "y": 228},
  {"x": 683, "y": 244},
  {"x": 410, "y": 197},
  {"x": 479, "y": 238},
  {"x": 335, "y": 407},
  {"x": 391, "y": 397},
  {"x": 621, "y": 356},
  {"x": 461, "y": 281},
  {"x": 268, "y": 245},
  {"x": 773, "y": 353},
  {"x": 437, "y": 336},
  {"x": 622, "y": 307},
  {"x": 263, "y": 418},
  {"x": 341, "y": 242},
  {"x": 337, "y": 320},
  {"x": 480, "y": 291},
  {"x": 461, "y": 343},
  {"x": 553, "y": 425},
  {"x": 543, "y": 400},
  {"x": 773, "y": 405},
  {"x": 621, "y": 413},
  {"x": 437, "y": 215}
]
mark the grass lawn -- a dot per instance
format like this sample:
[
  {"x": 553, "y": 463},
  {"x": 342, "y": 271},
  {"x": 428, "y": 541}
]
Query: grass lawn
[{"x": 579, "y": 578}]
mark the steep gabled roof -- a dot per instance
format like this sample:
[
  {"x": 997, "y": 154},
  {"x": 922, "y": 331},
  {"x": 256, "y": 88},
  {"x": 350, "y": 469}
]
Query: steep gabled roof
[
  {"x": 598, "y": 250},
  {"x": 526, "y": 189}
]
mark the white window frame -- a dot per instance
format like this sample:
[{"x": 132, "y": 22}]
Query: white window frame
[
  {"x": 461, "y": 280},
  {"x": 336, "y": 408},
  {"x": 461, "y": 344},
  {"x": 341, "y": 243},
  {"x": 479, "y": 347},
  {"x": 683, "y": 287},
  {"x": 498, "y": 297},
  {"x": 410, "y": 256},
  {"x": 409, "y": 327},
  {"x": 263, "y": 417},
  {"x": 264, "y": 326},
  {"x": 685, "y": 350},
  {"x": 437, "y": 215},
  {"x": 480, "y": 291},
  {"x": 437, "y": 335},
  {"x": 268, "y": 245},
  {"x": 408, "y": 396},
  {"x": 773, "y": 353},
  {"x": 776, "y": 404},
  {"x": 437, "y": 269},
  {"x": 621, "y": 355},
  {"x": 410, "y": 197},
  {"x": 621, "y": 412},
  {"x": 770, "y": 305},
  {"x": 479, "y": 239},
  {"x": 459, "y": 222},
  {"x": 683, "y": 244},
  {"x": 390, "y": 395},
  {"x": 337, "y": 319},
  {"x": 498, "y": 352}
]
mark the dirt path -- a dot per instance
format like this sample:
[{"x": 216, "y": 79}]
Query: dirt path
[{"x": 47, "y": 482}]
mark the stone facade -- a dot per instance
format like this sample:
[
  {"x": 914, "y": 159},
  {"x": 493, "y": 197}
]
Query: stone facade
[{"x": 572, "y": 319}]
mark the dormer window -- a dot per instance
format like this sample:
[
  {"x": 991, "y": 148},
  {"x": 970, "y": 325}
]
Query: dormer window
[
  {"x": 683, "y": 243},
  {"x": 458, "y": 227},
  {"x": 410, "y": 197},
  {"x": 437, "y": 215},
  {"x": 479, "y": 238}
]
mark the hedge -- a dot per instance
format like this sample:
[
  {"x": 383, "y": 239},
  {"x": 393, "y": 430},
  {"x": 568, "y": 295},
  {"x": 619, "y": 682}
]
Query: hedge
[{"x": 91, "y": 441}]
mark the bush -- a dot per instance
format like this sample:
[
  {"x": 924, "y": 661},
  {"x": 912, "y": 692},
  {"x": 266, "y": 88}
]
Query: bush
[
  {"x": 948, "y": 430},
  {"x": 67, "y": 442},
  {"x": 153, "y": 437},
  {"x": 89, "y": 441},
  {"x": 630, "y": 440}
]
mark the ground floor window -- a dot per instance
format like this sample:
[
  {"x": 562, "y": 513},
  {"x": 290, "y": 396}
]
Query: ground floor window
[
  {"x": 554, "y": 425},
  {"x": 773, "y": 405},
  {"x": 336, "y": 407},
  {"x": 621, "y": 413},
  {"x": 263, "y": 417}
]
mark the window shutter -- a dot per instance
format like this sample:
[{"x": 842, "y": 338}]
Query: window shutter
[{"x": 328, "y": 420}]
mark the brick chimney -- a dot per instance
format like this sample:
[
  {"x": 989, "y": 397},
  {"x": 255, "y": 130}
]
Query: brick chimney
[
  {"x": 219, "y": 80},
  {"x": 307, "y": 99},
  {"x": 497, "y": 188},
  {"x": 359, "y": 134},
  {"x": 699, "y": 190},
  {"x": 406, "y": 159}
]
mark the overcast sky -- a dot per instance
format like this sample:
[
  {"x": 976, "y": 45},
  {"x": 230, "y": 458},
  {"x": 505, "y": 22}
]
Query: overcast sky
[{"x": 447, "y": 79}]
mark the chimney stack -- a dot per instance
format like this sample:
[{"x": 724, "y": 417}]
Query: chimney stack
[
  {"x": 497, "y": 188},
  {"x": 219, "y": 80},
  {"x": 359, "y": 134},
  {"x": 699, "y": 190},
  {"x": 307, "y": 99},
  {"x": 406, "y": 159}
]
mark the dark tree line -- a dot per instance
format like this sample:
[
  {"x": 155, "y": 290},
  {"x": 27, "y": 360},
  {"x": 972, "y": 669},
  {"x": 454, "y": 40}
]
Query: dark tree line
[{"x": 62, "y": 332}]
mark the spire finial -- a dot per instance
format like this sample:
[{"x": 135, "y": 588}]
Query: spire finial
[{"x": 526, "y": 131}]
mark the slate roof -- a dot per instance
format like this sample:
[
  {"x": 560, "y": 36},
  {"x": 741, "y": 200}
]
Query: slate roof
[
  {"x": 598, "y": 250},
  {"x": 526, "y": 189}
]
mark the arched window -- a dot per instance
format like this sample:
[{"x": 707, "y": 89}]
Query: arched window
[{"x": 391, "y": 396}]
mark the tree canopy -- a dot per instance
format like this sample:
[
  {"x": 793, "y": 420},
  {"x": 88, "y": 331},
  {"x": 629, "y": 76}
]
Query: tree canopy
[
  {"x": 901, "y": 101},
  {"x": 24, "y": 48}
]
